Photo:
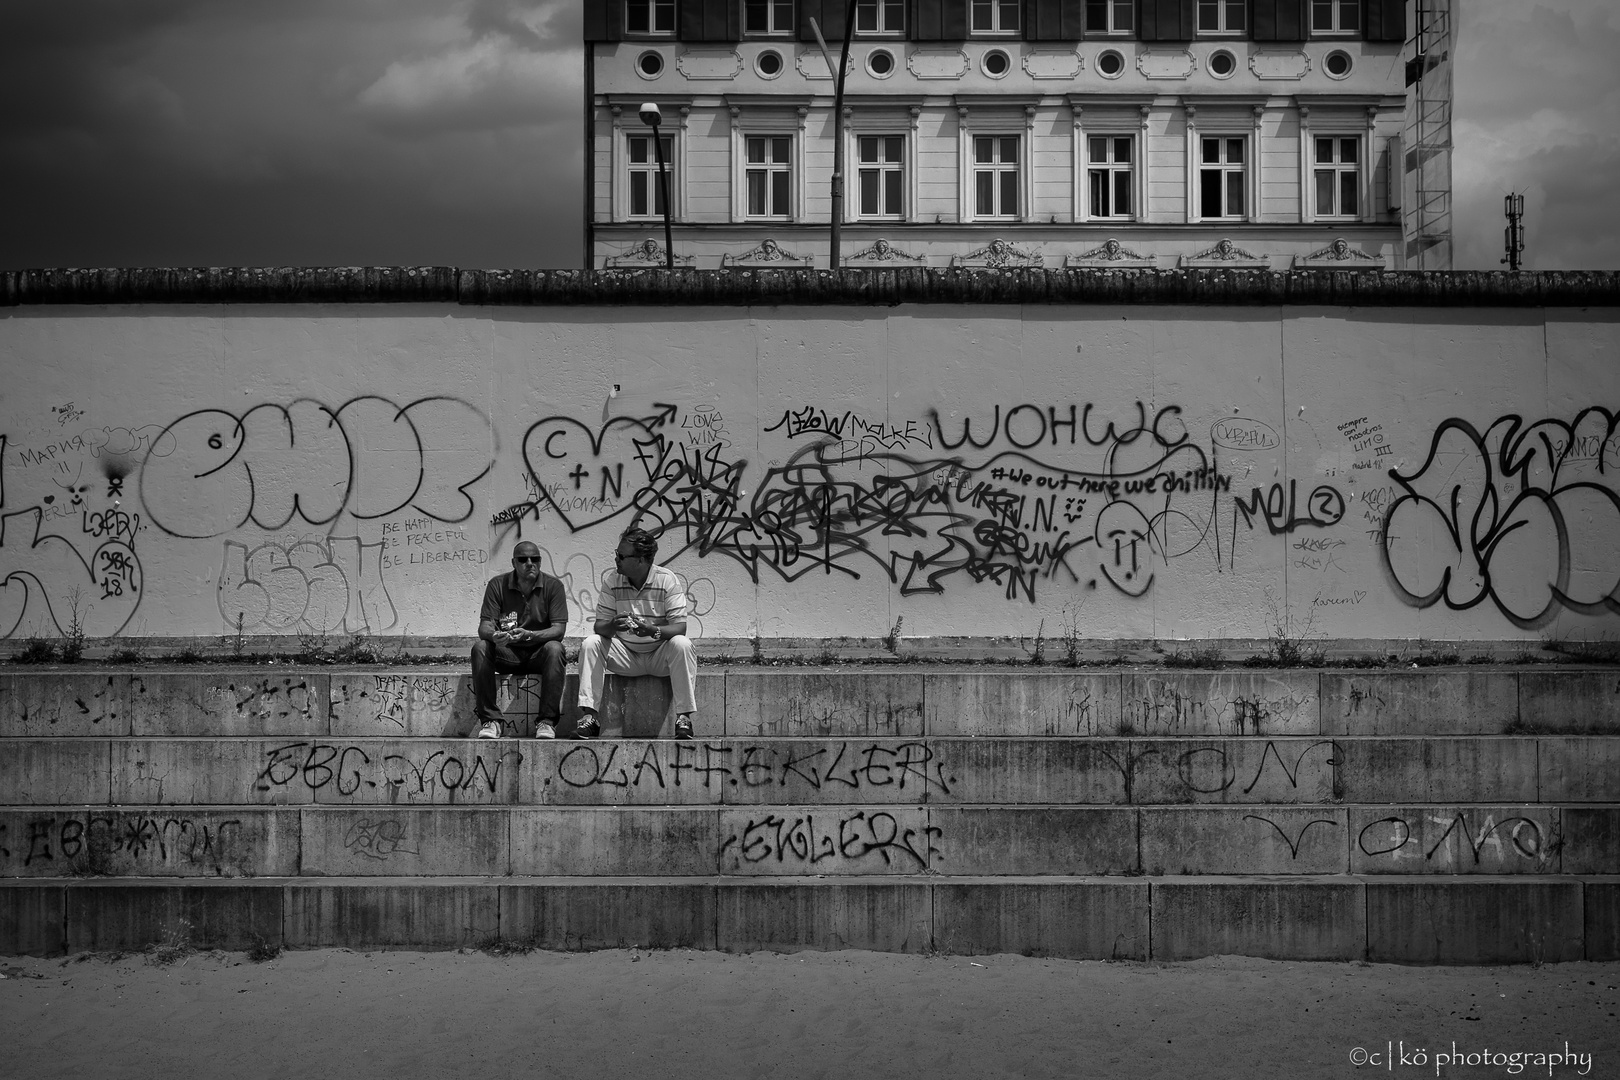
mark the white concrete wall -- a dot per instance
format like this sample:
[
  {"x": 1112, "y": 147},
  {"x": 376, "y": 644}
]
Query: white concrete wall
[{"x": 1444, "y": 474}]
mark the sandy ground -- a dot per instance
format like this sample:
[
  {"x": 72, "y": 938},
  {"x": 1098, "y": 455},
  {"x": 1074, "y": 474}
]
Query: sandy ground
[{"x": 336, "y": 1013}]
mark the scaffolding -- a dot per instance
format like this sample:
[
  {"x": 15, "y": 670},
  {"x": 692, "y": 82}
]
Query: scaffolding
[{"x": 1426, "y": 136}]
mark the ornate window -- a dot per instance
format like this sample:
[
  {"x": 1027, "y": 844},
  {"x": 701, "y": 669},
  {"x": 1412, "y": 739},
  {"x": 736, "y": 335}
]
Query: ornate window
[
  {"x": 1222, "y": 16},
  {"x": 1336, "y": 168},
  {"x": 1335, "y": 16},
  {"x": 995, "y": 16},
  {"x": 768, "y": 16},
  {"x": 880, "y": 16},
  {"x": 1110, "y": 175},
  {"x": 646, "y": 195},
  {"x": 1110, "y": 16},
  {"x": 880, "y": 176}
]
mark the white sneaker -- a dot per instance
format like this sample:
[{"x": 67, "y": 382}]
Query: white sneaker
[
  {"x": 490, "y": 730},
  {"x": 543, "y": 730}
]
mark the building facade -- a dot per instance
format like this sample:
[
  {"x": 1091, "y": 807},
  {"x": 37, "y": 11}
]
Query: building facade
[{"x": 1002, "y": 133}]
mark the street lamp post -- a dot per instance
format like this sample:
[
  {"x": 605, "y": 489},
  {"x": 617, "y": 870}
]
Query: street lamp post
[
  {"x": 838, "y": 128},
  {"x": 651, "y": 116}
]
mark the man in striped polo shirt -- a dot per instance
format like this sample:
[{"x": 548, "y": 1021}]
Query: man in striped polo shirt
[{"x": 640, "y": 630}]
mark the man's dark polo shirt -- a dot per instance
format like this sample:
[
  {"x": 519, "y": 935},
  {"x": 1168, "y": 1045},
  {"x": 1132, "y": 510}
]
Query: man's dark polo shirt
[{"x": 548, "y": 604}]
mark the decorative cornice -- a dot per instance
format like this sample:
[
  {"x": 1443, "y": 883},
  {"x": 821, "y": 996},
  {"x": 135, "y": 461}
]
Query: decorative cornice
[
  {"x": 882, "y": 251},
  {"x": 1340, "y": 251},
  {"x": 647, "y": 253},
  {"x": 998, "y": 254},
  {"x": 767, "y": 253},
  {"x": 1225, "y": 250},
  {"x": 1111, "y": 253}
]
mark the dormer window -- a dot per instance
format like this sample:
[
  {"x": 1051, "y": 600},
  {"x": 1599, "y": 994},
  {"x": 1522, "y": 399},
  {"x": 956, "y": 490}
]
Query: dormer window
[
  {"x": 649, "y": 16},
  {"x": 768, "y": 16}
]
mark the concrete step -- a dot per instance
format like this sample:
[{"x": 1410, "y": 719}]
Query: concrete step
[
  {"x": 1251, "y": 770},
  {"x": 887, "y": 701},
  {"x": 1488, "y": 920},
  {"x": 886, "y": 840}
]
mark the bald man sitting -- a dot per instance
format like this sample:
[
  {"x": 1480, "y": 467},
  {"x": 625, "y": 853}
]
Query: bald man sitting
[{"x": 520, "y": 632}]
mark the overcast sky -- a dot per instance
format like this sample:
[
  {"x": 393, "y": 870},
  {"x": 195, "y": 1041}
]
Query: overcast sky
[{"x": 387, "y": 132}]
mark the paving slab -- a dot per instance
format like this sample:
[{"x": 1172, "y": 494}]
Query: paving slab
[
  {"x": 832, "y": 841},
  {"x": 65, "y": 704},
  {"x": 615, "y": 842},
  {"x": 398, "y": 914},
  {"x": 1439, "y": 770},
  {"x": 1089, "y": 920},
  {"x": 790, "y": 916},
  {"x": 1243, "y": 840},
  {"x": 1064, "y": 840},
  {"x": 1008, "y": 703},
  {"x": 185, "y": 842},
  {"x": 403, "y": 841},
  {"x": 1419, "y": 702},
  {"x": 822, "y": 703},
  {"x": 122, "y": 916},
  {"x": 1458, "y": 840},
  {"x": 1579, "y": 769},
  {"x": 618, "y": 915},
  {"x": 1185, "y": 703},
  {"x": 1278, "y": 919},
  {"x": 54, "y": 772},
  {"x": 1474, "y": 921}
]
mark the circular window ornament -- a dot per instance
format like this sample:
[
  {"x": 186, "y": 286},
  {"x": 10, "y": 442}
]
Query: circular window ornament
[
  {"x": 1338, "y": 64},
  {"x": 996, "y": 63},
  {"x": 649, "y": 65},
  {"x": 1111, "y": 64},
  {"x": 880, "y": 63},
  {"x": 1222, "y": 64},
  {"x": 768, "y": 64}
]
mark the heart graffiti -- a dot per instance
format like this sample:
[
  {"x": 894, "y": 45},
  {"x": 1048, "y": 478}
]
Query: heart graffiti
[{"x": 589, "y": 477}]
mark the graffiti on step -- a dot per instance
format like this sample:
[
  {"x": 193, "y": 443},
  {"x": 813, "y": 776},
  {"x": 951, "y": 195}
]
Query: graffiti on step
[
  {"x": 908, "y": 769},
  {"x": 393, "y": 696},
  {"x": 100, "y": 842},
  {"x": 378, "y": 839},
  {"x": 819, "y": 844},
  {"x": 1028, "y": 494},
  {"x": 1523, "y": 514},
  {"x": 1459, "y": 841},
  {"x": 354, "y": 773},
  {"x": 1165, "y": 708}
]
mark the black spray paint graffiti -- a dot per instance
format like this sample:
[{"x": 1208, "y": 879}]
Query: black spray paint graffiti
[
  {"x": 1527, "y": 517},
  {"x": 211, "y": 472},
  {"x": 1012, "y": 510},
  {"x": 906, "y": 767},
  {"x": 104, "y": 840},
  {"x": 799, "y": 841},
  {"x": 350, "y": 772},
  {"x": 1489, "y": 844},
  {"x": 377, "y": 839}
]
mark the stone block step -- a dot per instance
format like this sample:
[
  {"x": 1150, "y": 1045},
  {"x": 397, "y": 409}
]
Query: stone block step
[
  {"x": 1248, "y": 770},
  {"x": 1329, "y": 917},
  {"x": 799, "y": 841},
  {"x": 800, "y": 702}
]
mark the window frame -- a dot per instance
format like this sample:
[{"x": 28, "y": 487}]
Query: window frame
[
  {"x": 1224, "y": 138},
  {"x": 773, "y": 9},
  {"x": 997, "y": 168},
  {"x": 1338, "y": 8},
  {"x": 1338, "y": 170},
  {"x": 770, "y": 168},
  {"x": 879, "y": 7},
  {"x": 627, "y": 125},
  {"x": 996, "y": 8},
  {"x": 1223, "y": 10},
  {"x": 1112, "y": 8},
  {"x": 1111, "y": 169},
  {"x": 649, "y": 168},
  {"x": 902, "y": 169},
  {"x": 652, "y": 6}
]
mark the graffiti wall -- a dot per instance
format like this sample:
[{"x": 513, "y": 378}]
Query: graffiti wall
[{"x": 1169, "y": 472}]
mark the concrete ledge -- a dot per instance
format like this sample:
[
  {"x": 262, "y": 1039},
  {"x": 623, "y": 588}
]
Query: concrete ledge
[
  {"x": 1591, "y": 837},
  {"x": 609, "y": 915},
  {"x": 1182, "y": 703},
  {"x": 1438, "y": 770},
  {"x": 1602, "y": 922},
  {"x": 1419, "y": 703},
  {"x": 1244, "y": 840},
  {"x": 776, "y": 841},
  {"x": 33, "y": 919},
  {"x": 1037, "y": 840},
  {"x": 416, "y": 915},
  {"x": 1094, "y": 920},
  {"x": 398, "y": 841},
  {"x": 221, "y": 915},
  {"x": 817, "y": 703},
  {"x": 1579, "y": 769},
  {"x": 614, "y": 842},
  {"x": 791, "y": 916},
  {"x": 1283, "y": 920},
  {"x": 1475, "y": 921},
  {"x": 444, "y": 285},
  {"x": 47, "y": 772}
]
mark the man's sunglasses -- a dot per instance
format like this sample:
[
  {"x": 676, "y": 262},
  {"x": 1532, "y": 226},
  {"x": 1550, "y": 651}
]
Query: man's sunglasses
[{"x": 525, "y": 558}]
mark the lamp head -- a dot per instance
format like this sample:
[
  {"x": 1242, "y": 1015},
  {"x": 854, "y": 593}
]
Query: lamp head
[{"x": 650, "y": 114}]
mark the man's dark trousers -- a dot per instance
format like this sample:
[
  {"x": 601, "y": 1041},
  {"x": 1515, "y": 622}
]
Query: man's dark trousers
[{"x": 490, "y": 659}]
